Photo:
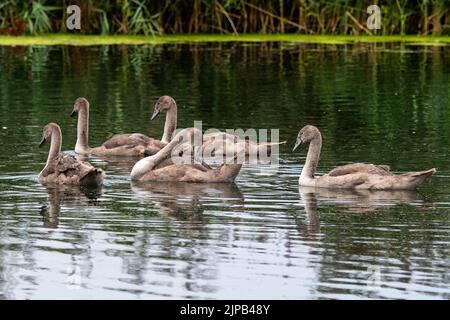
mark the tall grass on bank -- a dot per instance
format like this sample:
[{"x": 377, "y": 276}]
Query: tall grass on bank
[{"x": 347, "y": 17}]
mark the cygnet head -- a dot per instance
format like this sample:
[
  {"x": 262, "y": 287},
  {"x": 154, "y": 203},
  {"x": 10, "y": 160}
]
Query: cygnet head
[
  {"x": 80, "y": 104},
  {"x": 163, "y": 104},
  {"x": 305, "y": 135},
  {"x": 47, "y": 133}
]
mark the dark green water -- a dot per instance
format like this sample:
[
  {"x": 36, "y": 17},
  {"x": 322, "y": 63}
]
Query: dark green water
[{"x": 261, "y": 237}]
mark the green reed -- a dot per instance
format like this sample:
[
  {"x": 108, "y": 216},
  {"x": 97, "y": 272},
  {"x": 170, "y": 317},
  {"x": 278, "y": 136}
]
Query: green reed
[{"x": 152, "y": 17}]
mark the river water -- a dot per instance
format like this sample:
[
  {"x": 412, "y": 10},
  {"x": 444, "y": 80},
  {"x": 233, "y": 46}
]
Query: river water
[{"x": 260, "y": 237}]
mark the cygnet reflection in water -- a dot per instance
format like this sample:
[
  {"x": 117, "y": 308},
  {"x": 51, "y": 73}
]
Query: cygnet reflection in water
[
  {"x": 352, "y": 201},
  {"x": 174, "y": 199},
  {"x": 59, "y": 195}
]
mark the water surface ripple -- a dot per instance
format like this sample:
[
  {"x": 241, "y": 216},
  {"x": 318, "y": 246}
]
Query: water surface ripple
[{"x": 260, "y": 237}]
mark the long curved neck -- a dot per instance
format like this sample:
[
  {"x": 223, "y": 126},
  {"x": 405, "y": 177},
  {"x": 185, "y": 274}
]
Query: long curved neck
[
  {"x": 55, "y": 145},
  {"x": 82, "y": 130},
  {"x": 147, "y": 164},
  {"x": 165, "y": 152},
  {"x": 312, "y": 159},
  {"x": 170, "y": 125}
]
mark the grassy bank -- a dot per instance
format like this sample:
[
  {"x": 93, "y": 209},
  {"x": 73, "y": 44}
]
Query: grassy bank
[{"x": 89, "y": 40}]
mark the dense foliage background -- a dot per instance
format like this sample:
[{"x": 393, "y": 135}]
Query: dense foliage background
[{"x": 423, "y": 17}]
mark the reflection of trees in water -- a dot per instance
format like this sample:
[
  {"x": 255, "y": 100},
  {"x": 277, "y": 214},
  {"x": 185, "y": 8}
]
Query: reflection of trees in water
[
  {"x": 359, "y": 229},
  {"x": 301, "y": 81},
  {"x": 300, "y": 75}
]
